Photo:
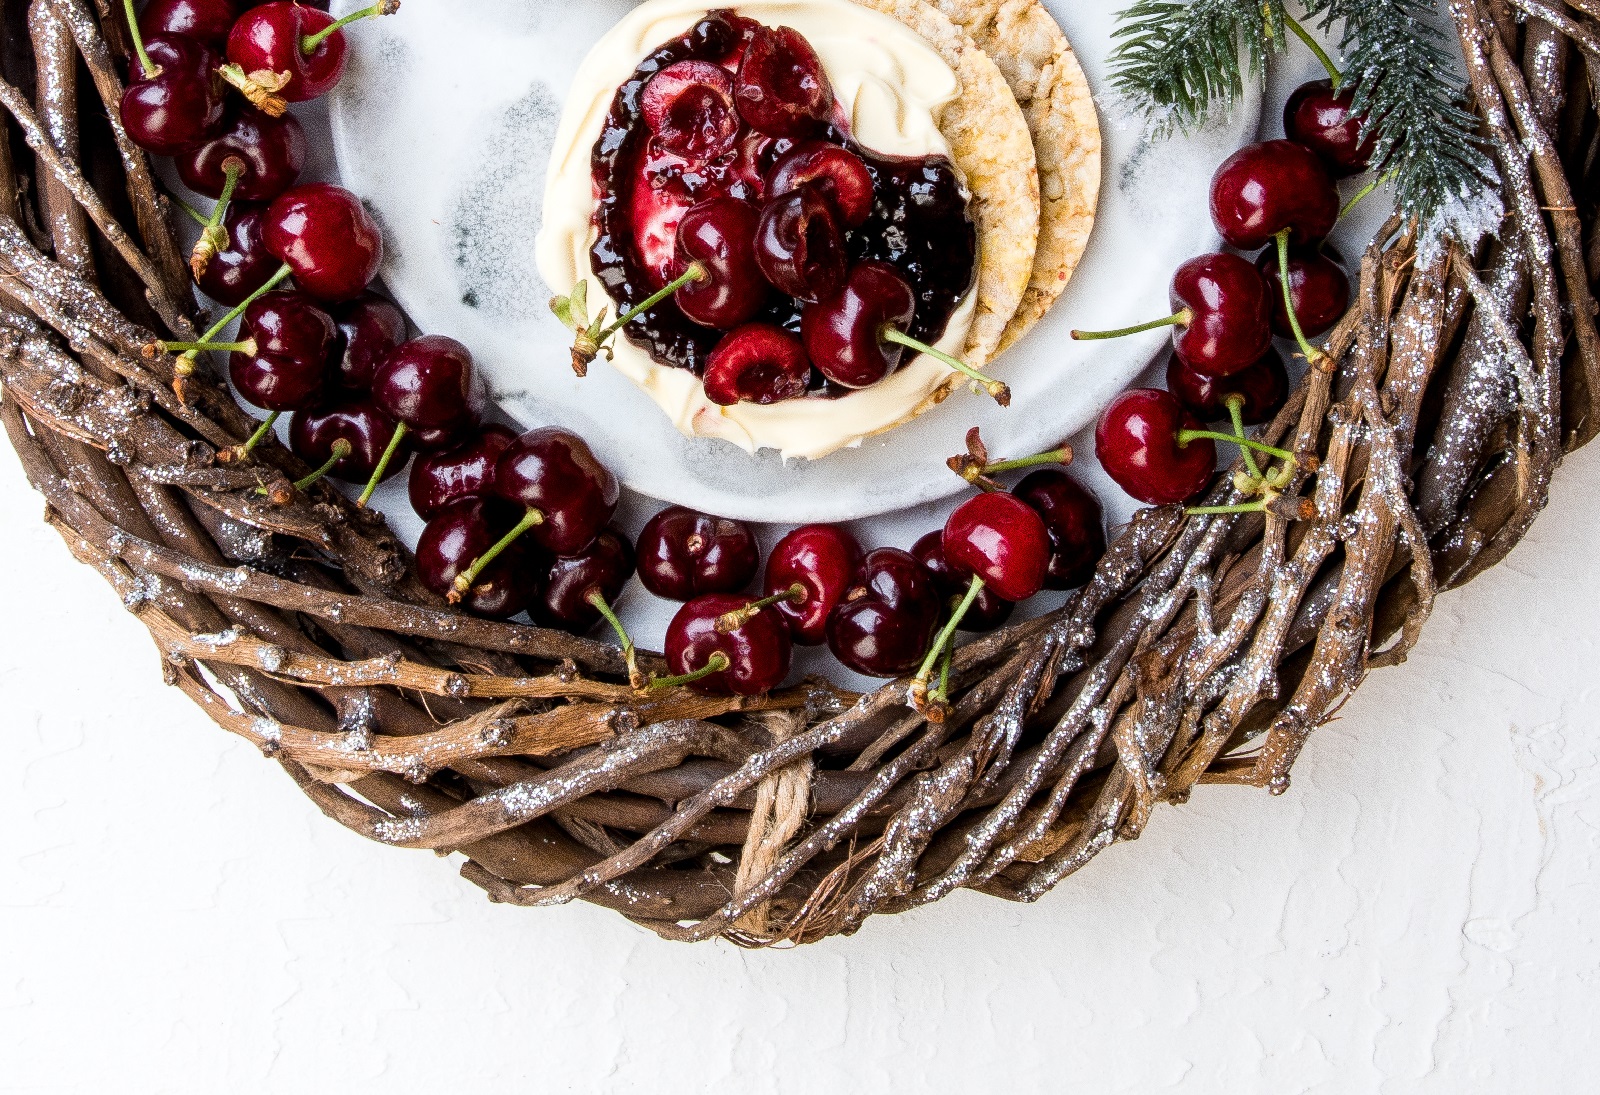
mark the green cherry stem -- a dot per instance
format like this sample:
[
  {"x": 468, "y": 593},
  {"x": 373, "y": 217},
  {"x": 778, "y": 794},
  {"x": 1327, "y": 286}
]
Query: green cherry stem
[
  {"x": 1186, "y": 436},
  {"x": 465, "y": 579},
  {"x": 714, "y": 664},
  {"x": 1355, "y": 199},
  {"x": 1312, "y": 354},
  {"x": 695, "y": 272},
  {"x": 919, "y": 683},
  {"x": 309, "y": 43},
  {"x": 246, "y": 346},
  {"x": 194, "y": 214},
  {"x": 186, "y": 362},
  {"x": 733, "y": 621},
  {"x": 340, "y": 450},
  {"x": 151, "y": 69},
  {"x": 598, "y": 600},
  {"x": 213, "y": 236},
  {"x": 382, "y": 469},
  {"x": 1236, "y": 413},
  {"x": 998, "y": 391},
  {"x": 1062, "y": 455},
  {"x": 1334, "y": 75},
  {"x": 259, "y": 436},
  {"x": 1177, "y": 319}
]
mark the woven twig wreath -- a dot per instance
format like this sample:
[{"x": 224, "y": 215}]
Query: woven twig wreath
[{"x": 1205, "y": 649}]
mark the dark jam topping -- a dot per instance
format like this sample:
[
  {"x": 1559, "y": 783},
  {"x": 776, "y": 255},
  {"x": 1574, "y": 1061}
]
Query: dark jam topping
[{"x": 919, "y": 220}]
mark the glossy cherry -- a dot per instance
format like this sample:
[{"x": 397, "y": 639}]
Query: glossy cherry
[
  {"x": 757, "y": 363},
  {"x": 371, "y": 327},
  {"x": 1264, "y": 387},
  {"x": 756, "y": 654},
  {"x": 287, "y": 367},
  {"x": 782, "y": 89},
  {"x": 884, "y": 623},
  {"x": 429, "y": 386},
  {"x": 354, "y": 420},
  {"x": 843, "y": 333},
  {"x": 273, "y": 151},
  {"x": 719, "y": 234},
  {"x": 439, "y": 478},
  {"x": 1137, "y": 443},
  {"x": 461, "y": 533},
  {"x": 1319, "y": 117},
  {"x": 987, "y": 612},
  {"x": 1317, "y": 284},
  {"x": 1269, "y": 187},
  {"x": 1072, "y": 519},
  {"x": 1000, "y": 539},
  {"x": 684, "y": 553},
  {"x": 552, "y": 473},
  {"x": 602, "y": 569},
  {"x": 327, "y": 238},
  {"x": 1230, "y": 309},
  {"x": 206, "y": 21},
  {"x": 175, "y": 102},
  {"x": 243, "y": 266},
  {"x": 823, "y": 560},
  {"x": 274, "y": 38},
  {"x": 689, "y": 107},
  {"x": 799, "y": 244},
  {"x": 841, "y": 175}
]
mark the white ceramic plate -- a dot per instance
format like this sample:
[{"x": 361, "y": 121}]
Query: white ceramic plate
[{"x": 444, "y": 124}]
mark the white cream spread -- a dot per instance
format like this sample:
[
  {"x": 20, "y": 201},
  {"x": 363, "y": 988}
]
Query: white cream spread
[{"x": 894, "y": 87}]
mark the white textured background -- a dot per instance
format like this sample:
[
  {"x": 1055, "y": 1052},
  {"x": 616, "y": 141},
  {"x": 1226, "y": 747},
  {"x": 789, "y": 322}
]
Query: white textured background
[{"x": 1418, "y": 914}]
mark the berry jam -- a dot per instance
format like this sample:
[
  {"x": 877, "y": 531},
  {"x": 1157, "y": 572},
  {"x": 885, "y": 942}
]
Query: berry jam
[{"x": 919, "y": 221}]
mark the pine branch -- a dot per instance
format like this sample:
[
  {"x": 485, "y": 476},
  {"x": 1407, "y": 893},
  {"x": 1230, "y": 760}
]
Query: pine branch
[{"x": 1178, "y": 62}]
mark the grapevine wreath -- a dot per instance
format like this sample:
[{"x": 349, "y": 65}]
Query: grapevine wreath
[{"x": 701, "y": 792}]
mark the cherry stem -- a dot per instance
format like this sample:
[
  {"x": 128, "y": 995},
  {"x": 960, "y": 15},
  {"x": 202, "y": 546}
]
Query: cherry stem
[
  {"x": 1219, "y": 511},
  {"x": 151, "y": 69},
  {"x": 998, "y": 391},
  {"x": 310, "y": 42},
  {"x": 1179, "y": 319},
  {"x": 1062, "y": 455},
  {"x": 714, "y": 664},
  {"x": 186, "y": 362},
  {"x": 944, "y": 673},
  {"x": 247, "y": 346},
  {"x": 383, "y": 464},
  {"x": 1334, "y": 75},
  {"x": 341, "y": 449},
  {"x": 198, "y": 217},
  {"x": 465, "y": 579},
  {"x": 733, "y": 621},
  {"x": 1236, "y": 412},
  {"x": 1186, "y": 436},
  {"x": 213, "y": 237},
  {"x": 1355, "y": 199},
  {"x": 919, "y": 683},
  {"x": 598, "y": 600},
  {"x": 259, "y": 436},
  {"x": 695, "y": 272},
  {"x": 1312, "y": 354}
]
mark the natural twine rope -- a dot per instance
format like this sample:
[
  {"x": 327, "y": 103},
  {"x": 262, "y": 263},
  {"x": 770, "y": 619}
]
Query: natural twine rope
[{"x": 783, "y": 801}]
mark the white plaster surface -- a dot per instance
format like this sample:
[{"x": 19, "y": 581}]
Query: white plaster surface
[{"x": 1418, "y": 914}]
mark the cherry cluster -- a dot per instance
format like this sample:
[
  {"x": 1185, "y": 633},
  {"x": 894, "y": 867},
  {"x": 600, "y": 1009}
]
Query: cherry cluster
[
  {"x": 763, "y": 122},
  {"x": 1277, "y": 197}
]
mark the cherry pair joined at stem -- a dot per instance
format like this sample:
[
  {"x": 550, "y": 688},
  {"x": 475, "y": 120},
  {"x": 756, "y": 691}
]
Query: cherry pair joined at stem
[{"x": 285, "y": 52}]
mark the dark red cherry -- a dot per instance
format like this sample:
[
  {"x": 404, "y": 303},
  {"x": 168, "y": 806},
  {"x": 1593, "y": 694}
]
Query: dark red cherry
[
  {"x": 838, "y": 172},
  {"x": 603, "y": 568},
  {"x": 800, "y": 244},
  {"x": 430, "y": 385},
  {"x": 327, "y": 237},
  {"x": 439, "y": 478},
  {"x": 886, "y": 620},
  {"x": 294, "y": 340},
  {"x": 268, "y": 38},
  {"x": 354, "y": 420},
  {"x": 181, "y": 103},
  {"x": 684, "y": 553},
  {"x": 782, "y": 89},
  {"x": 999, "y": 538},
  {"x": 1137, "y": 443},
  {"x": 371, "y": 327},
  {"x": 1319, "y": 118},
  {"x": 843, "y": 332},
  {"x": 823, "y": 559},
  {"x": 245, "y": 265},
  {"x": 689, "y": 107},
  {"x": 1318, "y": 285},
  {"x": 758, "y": 651},
  {"x": 554, "y": 472},
  {"x": 720, "y": 234},
  {"x": 756, "y": 363},
  {"x": 988, "y": 611},
  {"x": 1264, "y": 387},
  {"x": 273, "y": 151},
  {"x": 206, "y": 21},
  {"x": 1073, "y": 521},
  {"x": 1228, "y": 300},
  {"x": 1270, "y": 186},
  {"x": 453, "y": 541}
]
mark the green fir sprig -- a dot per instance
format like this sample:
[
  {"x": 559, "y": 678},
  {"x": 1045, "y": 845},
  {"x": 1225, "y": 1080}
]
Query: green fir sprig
[{"x": 1182, "y": 61}]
